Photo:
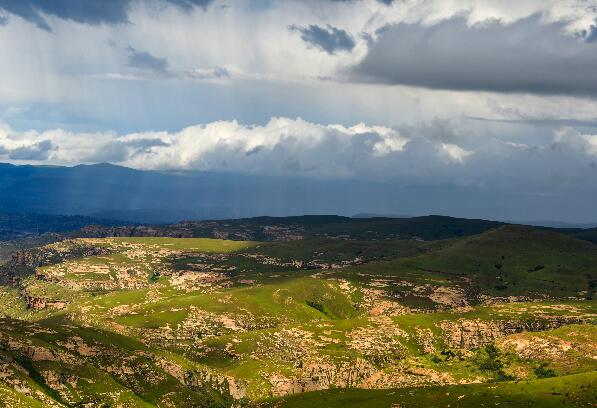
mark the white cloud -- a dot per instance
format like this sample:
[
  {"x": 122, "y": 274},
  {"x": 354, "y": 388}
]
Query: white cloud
[
  {"x": 282, "y": 146},
  {"x": 585, "y": 143},
  {"x": 591, "y": 141},
  {"x": 442, "y": 154},
  {"x": 454, "y": 153}
]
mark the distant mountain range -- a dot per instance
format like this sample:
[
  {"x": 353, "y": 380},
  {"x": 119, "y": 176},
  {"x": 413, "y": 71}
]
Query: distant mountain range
[{"x": 105, "y": 191}]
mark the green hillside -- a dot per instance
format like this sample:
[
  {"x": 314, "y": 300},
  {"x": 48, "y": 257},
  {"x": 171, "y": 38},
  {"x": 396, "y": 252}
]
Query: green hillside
[
  {"x": 173, "y": 322},
  {"x": 519, "y": 261}
]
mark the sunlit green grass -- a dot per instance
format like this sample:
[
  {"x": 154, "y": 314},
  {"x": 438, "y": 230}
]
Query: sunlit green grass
[{"x": 189, "y": 244}]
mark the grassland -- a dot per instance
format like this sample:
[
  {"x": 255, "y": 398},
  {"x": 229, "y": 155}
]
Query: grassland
[{"x": 319, "y": 322}]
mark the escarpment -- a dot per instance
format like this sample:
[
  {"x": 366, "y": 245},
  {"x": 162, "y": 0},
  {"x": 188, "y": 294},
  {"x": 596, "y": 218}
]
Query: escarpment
[{"x": 469, "y": 334}]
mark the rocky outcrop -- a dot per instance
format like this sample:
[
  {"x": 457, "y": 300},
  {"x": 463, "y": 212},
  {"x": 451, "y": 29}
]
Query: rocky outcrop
[
  {"x": 226, "y": 385},
  {"x": 56, "y": 253},
  {"x": 323, "y": 375},
  {"x": 39, "y": 302},
  {"x": 467, "y": 334}
]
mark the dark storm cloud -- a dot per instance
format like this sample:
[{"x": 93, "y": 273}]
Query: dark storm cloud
[
  {"x": 329, "y": 39},
  {"x": 525, "y": 56},
  {"x": 92, "y": 12},
  {"x": 146, "y": 61}
]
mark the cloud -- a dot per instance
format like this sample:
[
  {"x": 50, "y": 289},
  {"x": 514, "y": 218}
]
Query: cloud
[
  {"x": 297, "y": 148},
  {"x": 570, "y": 137},
  {"x": 453, "y": 153},
  {"x": 145, "y": 61},
  {"x": 75, "y": 80},
  {"x": 282, "y": 146},
  {"x": 127, "y": 149},
  {"x": 527, "y": 55},
  {"x": 37, "y": 151},
  {"x": 541, "y": 121},
  {"x": 329, "y": 39},
  {"x": 91, "y": 12},
  {"x": 591, "y": 35},
  {"x": 189, "y": 4},
  {"x": 81, "y": 11},
  {"x": 386, "y": 2},
  {"x": 208, "y": 73}
]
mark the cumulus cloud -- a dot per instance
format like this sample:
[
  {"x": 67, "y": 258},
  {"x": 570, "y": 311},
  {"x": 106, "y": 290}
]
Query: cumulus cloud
[
  {"x": 283, "y": 146},
  {"x": 298, "y": 148},
  {"x": 527, "y": 55},
  {"x": 329, "y": 39},
  {"x": 570, "y": 137}
]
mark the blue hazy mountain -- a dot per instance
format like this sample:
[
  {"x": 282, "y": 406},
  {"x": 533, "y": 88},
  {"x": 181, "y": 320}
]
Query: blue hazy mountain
[{"x": 114, "y": 192}]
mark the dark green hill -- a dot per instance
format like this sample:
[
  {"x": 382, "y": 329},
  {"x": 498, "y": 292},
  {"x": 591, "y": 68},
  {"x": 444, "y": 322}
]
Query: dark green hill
[
  {"x": 431, "y": 227},
  {"x": 588, "y": 235},
  {"x": 515, "y": 260},
  {"x": 16, "y": 225}
]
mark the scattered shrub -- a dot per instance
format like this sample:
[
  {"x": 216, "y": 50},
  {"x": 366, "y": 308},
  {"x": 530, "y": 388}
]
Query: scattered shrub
[{"x": 317, "y": 306}]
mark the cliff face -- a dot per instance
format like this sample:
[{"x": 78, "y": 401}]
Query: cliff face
[
  {"x": 320, "y": 375},
  {"x": 468, "y": 334}
]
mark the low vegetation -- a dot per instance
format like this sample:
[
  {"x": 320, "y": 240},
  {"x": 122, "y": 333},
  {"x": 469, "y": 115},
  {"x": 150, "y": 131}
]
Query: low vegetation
[{"x": 505, "y": 316}]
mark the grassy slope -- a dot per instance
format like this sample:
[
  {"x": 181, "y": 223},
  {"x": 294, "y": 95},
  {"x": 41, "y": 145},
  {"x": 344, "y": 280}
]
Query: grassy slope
[
  {"x": 96, "y": 367},
  {"x": 506, "y": 261},
  {"x": 294, "y": 299},
  {"x": 188, "y": 244}
]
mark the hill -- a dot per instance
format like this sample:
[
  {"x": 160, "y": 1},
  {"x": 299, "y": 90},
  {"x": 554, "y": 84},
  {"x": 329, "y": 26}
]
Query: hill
[
  {"x": 209, "y": 322},
  {"x": 519, "y": 261},
  {"x": 14, "y": 225},
  {"x": 310, "y": 226}
]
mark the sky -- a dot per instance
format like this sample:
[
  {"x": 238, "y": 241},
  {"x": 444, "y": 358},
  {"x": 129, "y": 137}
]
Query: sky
[{"x": 481, "y": 94}]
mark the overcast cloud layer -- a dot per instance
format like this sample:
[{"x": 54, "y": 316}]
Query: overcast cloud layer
[{"x": 411, "y": 92}]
